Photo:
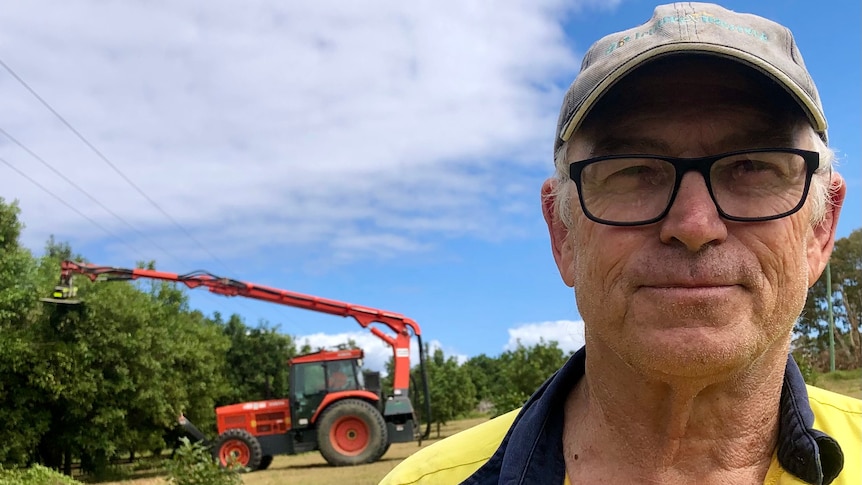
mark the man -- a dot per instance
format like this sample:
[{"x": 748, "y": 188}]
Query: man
[{"x": 693, "y": 206}]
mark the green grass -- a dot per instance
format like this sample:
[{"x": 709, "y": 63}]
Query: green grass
[{"x": 848, "y": 382}]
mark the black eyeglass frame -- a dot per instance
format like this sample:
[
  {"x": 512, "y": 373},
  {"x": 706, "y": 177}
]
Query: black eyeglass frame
[{"x": 702, "y": 165}]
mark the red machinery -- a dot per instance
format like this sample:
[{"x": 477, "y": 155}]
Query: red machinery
[{"x": 333, "y": 405}]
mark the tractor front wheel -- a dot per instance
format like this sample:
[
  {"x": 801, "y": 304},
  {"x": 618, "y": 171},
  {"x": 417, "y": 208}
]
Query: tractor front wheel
[
  {"x": 238, "y": 447},
  {"x": 351, "y": 432}
]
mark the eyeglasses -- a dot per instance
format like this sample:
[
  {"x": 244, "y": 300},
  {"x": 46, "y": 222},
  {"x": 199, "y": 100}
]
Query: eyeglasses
[{"x": 747, "y": 185}]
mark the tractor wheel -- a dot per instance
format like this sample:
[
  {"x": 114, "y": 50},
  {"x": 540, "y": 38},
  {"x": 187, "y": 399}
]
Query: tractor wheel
[
  {"x": 238, "y": 446},
  {"x": 351, "y": 432},
  {"x": 265, "y": 462}
]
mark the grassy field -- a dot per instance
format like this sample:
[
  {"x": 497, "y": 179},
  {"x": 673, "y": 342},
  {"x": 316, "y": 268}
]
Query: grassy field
[
  {"x": 847, "y": 382},
  {"x": 311, "y": 469}
]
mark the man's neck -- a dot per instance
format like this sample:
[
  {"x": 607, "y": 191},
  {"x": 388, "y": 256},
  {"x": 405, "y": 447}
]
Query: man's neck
[{"x": 649, "y": 429}]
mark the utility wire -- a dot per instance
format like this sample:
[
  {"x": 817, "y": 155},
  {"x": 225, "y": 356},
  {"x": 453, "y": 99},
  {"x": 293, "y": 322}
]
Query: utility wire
[
  {"x": 70, "y": 206},
  {"x": 109, "y": 163},
  {"x": 73, "y": 184}
]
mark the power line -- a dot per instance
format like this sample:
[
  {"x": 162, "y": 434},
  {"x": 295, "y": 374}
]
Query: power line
[
  {"x": 70, "y": 206},
  {"x": 73, "y": 208},
  {"x": 73, "y": 184},
  {"x": 109, "y": 163}
]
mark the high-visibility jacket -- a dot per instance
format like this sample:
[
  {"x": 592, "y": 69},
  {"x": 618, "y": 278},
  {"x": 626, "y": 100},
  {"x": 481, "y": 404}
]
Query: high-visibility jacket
[{"x": 819, "y": 440}]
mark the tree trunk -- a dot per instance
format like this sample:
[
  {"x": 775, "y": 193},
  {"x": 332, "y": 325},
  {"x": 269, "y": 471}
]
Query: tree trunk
[
  {"x": 842, "y": 342},
  {"x": 67, "y": 462}
]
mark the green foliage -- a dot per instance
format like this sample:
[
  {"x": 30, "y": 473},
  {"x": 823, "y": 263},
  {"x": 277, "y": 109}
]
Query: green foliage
[
  {"x": 519, "y": 372},
  {"x": 452, "y": 393},
  {"x": 35, "y": 475},
  {"x": 503, "y": 382},
  {"x": 485, "y": 373},
  {"x": 256, "y": 361},
  {"x": 812, "y": 328},
  {"x": 20, "y": 401},
  {"x": 17, "y": 272},
  {"x": 117, "y": 376},
  {"x": 88, "y": 382},
  {"x": 806, "y": 366},
  {"x": 193, "y": 464}
]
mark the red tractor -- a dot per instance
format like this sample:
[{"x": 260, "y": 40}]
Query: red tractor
[{"x": 333, "y": 405}]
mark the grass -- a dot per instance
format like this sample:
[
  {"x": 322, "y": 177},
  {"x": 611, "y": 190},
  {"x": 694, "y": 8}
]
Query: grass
[
  {"x": 847, "y": 382},
  {"x": 312, "y": 469}
]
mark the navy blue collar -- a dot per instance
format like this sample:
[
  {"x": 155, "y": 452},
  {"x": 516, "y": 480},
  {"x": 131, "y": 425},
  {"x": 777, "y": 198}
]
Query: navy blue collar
[{"x": 532, "y": 450}]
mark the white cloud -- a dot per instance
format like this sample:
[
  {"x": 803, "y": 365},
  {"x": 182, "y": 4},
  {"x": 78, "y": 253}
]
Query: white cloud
[
  {"x": 568, "y": 334},
  {"x": 350, "y": 128}
]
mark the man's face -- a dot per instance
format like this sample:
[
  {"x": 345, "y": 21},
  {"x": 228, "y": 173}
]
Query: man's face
[{"x": 692, "y": 294}]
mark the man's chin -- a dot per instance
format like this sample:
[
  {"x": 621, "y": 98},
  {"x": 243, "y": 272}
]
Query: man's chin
[{"x": 692, "y": 352}]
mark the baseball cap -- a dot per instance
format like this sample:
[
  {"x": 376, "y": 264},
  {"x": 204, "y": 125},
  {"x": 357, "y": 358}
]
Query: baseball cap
[{"x": 691, "y": 28}]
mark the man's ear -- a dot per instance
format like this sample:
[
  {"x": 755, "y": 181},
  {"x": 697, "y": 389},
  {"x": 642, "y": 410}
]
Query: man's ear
[
  {"x": 561, "y": 243},
  {"x": 823, "y": 235}
]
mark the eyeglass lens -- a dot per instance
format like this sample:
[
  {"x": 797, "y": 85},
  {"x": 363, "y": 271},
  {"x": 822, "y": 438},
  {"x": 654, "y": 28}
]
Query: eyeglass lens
[{"x": 743, "y": 185}]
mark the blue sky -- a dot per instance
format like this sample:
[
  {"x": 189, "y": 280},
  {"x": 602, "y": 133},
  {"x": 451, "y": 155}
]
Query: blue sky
[{"x": 387, "y": 154}]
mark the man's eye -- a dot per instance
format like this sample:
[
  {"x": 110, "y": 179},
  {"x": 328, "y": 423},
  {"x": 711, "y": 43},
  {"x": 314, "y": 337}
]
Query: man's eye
[
  {"x": 752, "y": 169},
  {"x": 752, "y": 166},
  {"x": 641, "y": 174}
]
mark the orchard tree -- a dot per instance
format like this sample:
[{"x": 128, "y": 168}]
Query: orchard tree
[
  {"x": 522, "y": 371},
  {"x": 812, "y": 328},
  {"x": 20, "y": 401},
  {"x": 846, "y": 266},
  {"x": 257, "y": 361},
  {"x": 124, "y": 365},
  {"x": 452, "y": 392},
  {"x": 485, "y": 372}
]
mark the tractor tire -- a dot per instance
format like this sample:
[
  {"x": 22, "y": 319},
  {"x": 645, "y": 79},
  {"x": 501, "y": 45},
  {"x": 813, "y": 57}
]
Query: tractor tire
[
  {"x": 351, "y": 432},
  {"x": 239, "y": 446},
  {"x": 265, "y": 462}
]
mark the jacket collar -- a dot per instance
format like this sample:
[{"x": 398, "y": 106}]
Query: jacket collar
[{"x": 532, "y": 450}]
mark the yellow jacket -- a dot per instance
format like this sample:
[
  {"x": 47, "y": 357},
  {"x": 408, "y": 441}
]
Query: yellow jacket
[{"x": 525, "y": 446}]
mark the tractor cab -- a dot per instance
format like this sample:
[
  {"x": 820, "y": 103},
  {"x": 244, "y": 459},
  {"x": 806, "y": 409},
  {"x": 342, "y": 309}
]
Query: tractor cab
[{"x": 315, "y": 376}]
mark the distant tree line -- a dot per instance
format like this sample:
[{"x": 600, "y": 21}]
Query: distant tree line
[
  {"x": 811, "y": 343},
  {"x": 482, "y": 384}
]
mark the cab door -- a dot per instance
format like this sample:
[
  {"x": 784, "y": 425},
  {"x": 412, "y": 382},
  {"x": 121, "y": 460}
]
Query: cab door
[{"x": 308, "y": 387}]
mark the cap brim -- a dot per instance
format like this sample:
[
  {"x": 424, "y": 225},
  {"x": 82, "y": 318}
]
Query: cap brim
[{"x": 815, "y": 116}]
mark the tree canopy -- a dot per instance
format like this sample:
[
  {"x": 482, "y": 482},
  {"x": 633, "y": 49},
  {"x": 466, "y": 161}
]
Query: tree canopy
[{"x": 811, "y": 345}]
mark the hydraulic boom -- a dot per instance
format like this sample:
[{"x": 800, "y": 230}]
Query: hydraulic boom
[{"x": 400, "y": 325}]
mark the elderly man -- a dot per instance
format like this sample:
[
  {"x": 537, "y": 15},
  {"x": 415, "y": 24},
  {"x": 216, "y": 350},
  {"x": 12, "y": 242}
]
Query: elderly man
[{"x": 693, "y": 206}]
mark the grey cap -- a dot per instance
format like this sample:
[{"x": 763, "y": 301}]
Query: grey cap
[{"x": 696, "y": 28}]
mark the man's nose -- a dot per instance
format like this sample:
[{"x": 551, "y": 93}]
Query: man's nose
[{"x": 693, "y": 219}]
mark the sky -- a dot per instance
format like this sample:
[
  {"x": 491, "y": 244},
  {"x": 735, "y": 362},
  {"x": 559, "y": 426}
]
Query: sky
[{"x": 386, "y": 154}]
